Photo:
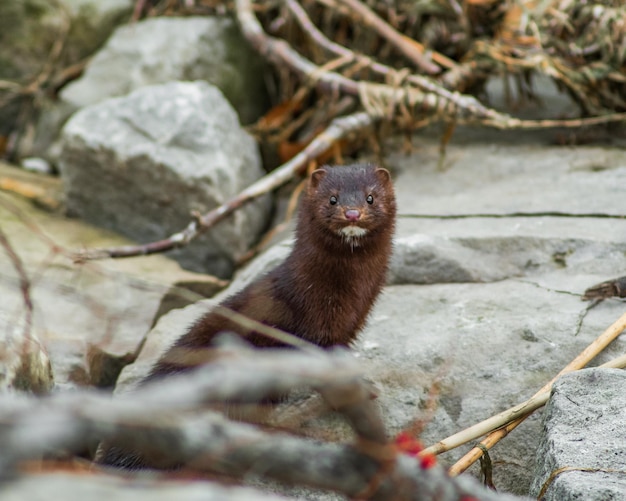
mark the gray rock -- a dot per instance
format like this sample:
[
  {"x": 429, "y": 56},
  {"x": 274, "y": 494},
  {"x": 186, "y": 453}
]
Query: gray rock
[
  {"x": 501, "y": 211},
  {"x": 501, "y": 180},
  {"x": 584, "y": 429},
  {"x": 91, "y": 319},
  {"x": 425, "y": 259},
  {"x": 164, "y": 49},
  {"x": 487, "y": 308},
  {"x": 36, "y": 164},
  {"x": 141, "y": 164},
  {"x": 29, "y": 25},
  {"x": 550, "y": 103}
]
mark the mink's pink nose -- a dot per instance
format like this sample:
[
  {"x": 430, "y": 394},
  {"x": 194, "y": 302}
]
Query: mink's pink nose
[{"x": 353, "y": 215}]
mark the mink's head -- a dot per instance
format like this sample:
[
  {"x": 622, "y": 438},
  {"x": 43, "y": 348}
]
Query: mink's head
[{"x": 350, "y": 204}]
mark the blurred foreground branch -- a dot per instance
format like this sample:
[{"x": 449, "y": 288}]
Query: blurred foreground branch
[{"x": 163, "y": 419}]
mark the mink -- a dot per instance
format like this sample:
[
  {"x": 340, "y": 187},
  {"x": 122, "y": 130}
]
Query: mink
[{"x": 326, "y": 287}]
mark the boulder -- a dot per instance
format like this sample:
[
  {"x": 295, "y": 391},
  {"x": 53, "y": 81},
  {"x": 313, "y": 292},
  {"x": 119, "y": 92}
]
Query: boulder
[
  {"x": 141, "y": 164},
  {"x": 28, "y": 26},
  {"x": 584, "y": 436},
  {"x": 163, "y": 49}
]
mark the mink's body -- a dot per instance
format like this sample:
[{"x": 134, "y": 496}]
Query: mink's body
[{"x": 328, "y": 284}]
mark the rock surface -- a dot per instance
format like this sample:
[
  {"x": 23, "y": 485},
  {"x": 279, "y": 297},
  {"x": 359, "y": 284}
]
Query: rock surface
[
  {"x": 91, "y": 319},
  {"x": 142, "y": 164},
  {"x": 483, "y": 300},
  {"x": 584, "y": 429},
  {"x": 164, "y": 49}
]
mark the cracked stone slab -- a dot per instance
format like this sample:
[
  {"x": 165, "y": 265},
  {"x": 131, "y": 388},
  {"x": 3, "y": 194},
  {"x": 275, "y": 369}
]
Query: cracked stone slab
[
  {"x": 584, "y": 433},
  {"x": 501, "y": 210},
  {"x": 142, "y": 164}
]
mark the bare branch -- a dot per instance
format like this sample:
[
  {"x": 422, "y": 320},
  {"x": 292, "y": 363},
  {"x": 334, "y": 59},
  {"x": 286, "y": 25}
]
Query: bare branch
[
  {"x": 424, "y": 98},
  {"x": 404, "y": 44},
  {"x": 24, "y": 283},
  {"x": 338, "y": 129},
  {"x": 149, "y": 420}
]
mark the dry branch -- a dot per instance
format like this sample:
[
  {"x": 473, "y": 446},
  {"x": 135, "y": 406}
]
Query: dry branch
[
  {"x": 425, "y": 84},
  {"x": 512, "y": 417},
  {"x": 415, "y": 94},
  {"x": 402, "y": 43},
  {"x": 338, "y": 129},
  {"x": 149, "y": 419},
  {"x": 24, "y": 285}
]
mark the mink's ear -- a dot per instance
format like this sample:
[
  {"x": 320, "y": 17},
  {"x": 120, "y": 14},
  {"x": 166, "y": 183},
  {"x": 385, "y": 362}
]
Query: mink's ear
[
  {"x": 316, "y": 177},
  {"x": 383, "y": 175}
]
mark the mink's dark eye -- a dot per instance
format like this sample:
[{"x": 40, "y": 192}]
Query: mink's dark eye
[
  {"x": 369, "y": 199},
  {"x": 333, "y": 200}
]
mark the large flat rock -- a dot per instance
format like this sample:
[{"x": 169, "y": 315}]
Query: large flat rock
[
  {"x": 505, "y": 179},
  {"x": 484, "y": 305}
]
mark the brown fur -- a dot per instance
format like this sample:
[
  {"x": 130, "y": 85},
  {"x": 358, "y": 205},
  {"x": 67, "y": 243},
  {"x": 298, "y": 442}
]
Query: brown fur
[{"x": 325, "y": 289}]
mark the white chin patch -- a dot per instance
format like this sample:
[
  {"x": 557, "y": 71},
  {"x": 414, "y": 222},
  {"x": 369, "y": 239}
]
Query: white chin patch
[{"x": 352, "y": 231}]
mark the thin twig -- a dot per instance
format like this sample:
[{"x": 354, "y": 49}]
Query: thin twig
[
  {"x": 515, "y": 415},
  {"x": 404, "y": 44},
  {"x": 24, "y": 282},
  {"x": 537, "y": 401},
  {"x": 338, "y": 129}
]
